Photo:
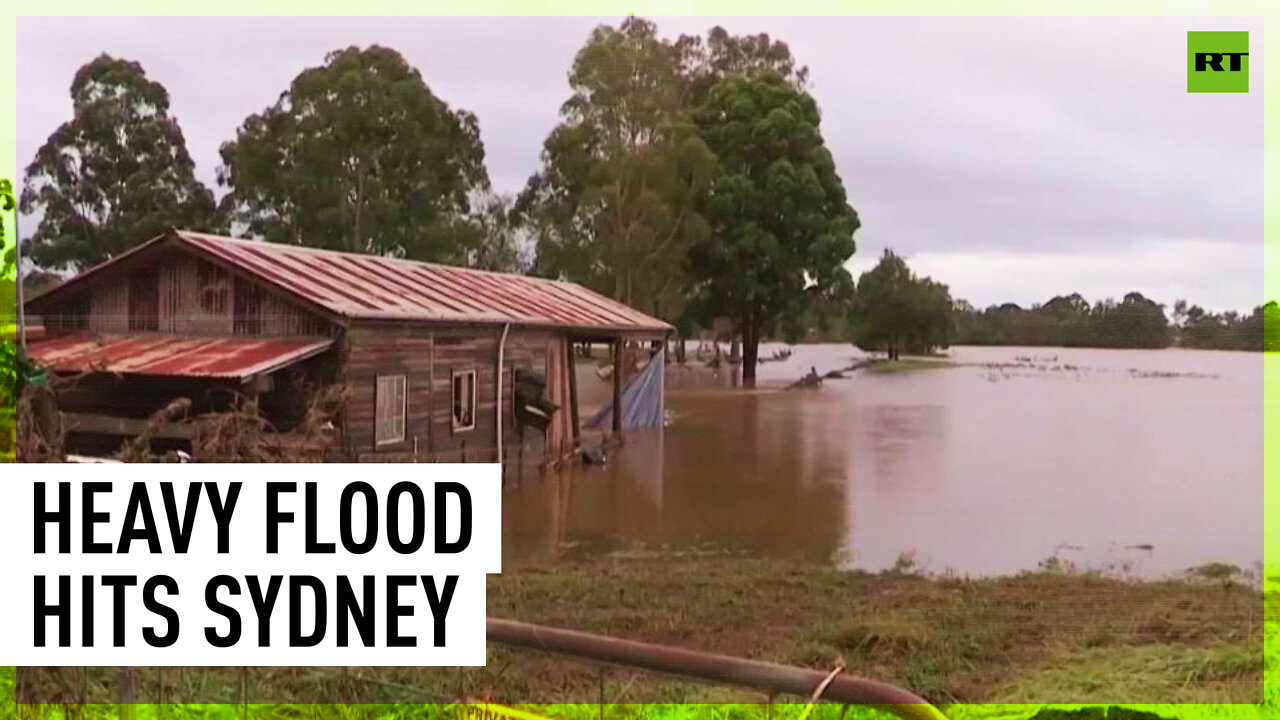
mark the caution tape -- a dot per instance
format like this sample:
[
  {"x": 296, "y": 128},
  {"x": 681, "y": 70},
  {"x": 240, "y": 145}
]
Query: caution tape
[{"x": 482, "y": 710}]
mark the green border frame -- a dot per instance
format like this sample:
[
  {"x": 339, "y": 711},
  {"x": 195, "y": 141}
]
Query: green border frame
[{"x": 1270, "y": 86}]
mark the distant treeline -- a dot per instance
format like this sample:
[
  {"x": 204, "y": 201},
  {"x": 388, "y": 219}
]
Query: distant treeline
[
  {"x": 1134, "y": 322},
  {"x": 892, "y": 310}
]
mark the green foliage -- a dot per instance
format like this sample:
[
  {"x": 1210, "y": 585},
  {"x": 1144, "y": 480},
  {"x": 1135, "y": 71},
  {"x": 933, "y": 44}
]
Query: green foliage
[
  {"x": 782, "y": 227},
  {"x": 116, "y": 174},
  {"x": 1259, "y": 330},
  {"x": 618, "y": 200},
  {"x": 16, "y": 371},
  {"x": 8, "y": 258},
  {"x": 724, "y": 55},
  {"x": 1133, "y": 322},
  {"x": 9, "y": 261},
  {"x": 358, "y": 155},
  {"x": 621, "y": 199},
  {"x": 1069, "y": 321},
  {"x": 894, "y": 311},
  {"x": 492, "y": 236}
]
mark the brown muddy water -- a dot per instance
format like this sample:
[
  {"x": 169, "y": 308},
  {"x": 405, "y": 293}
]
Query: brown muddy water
[{"x": 1140, "y": 463}]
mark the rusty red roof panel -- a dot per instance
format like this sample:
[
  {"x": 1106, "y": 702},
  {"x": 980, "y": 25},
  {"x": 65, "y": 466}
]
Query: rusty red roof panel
[
  {"x": 172, "y": 355},
  {"x": 370, "y": 286}
]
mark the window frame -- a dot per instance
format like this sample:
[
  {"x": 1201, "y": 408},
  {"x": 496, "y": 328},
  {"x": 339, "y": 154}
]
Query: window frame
[
  {"x": 403, "y": 382},
  {"x": 454, "y": 375}
]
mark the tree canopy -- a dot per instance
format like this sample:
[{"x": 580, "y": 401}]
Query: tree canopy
[
  {"x": 618, "y": 200},
  {"x": 1069, "y": 321},
  {"x": 493, "y": 237},
  {"x": 1259, "y": 330},
  {"x": 9, "y": 259},
  {"x": 893, "y": 311},
  {"x": 115, "y": 175},
  {"x": 782, "y": 227},
  {"x": 358, "y": 155},
  {"x": 621, "y": 197}
]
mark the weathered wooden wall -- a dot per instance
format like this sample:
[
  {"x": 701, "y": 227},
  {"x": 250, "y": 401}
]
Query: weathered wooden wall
[
  {"x": 428, "y": 356},
  {"x": 387, "y": 349},
  {"x": 184, "y": 295}
]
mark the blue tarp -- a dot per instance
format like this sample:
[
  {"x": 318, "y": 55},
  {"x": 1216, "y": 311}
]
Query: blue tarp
[{"x": 641, "y": 399}]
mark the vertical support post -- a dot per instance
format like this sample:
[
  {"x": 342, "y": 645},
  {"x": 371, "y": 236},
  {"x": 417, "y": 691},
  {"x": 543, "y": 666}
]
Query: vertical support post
[
  {"x": 573, "y": 392},
  {"x": 431, "y": 396},
  {"x": 251, "y": 390},
  {"x": 617, "y": 386}
]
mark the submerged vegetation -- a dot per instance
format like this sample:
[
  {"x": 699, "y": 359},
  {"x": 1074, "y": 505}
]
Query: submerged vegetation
[{"x": 910, "y": 363}]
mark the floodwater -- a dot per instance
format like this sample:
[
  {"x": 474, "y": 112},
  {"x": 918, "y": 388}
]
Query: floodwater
[{"x": 1140, "y": 463}]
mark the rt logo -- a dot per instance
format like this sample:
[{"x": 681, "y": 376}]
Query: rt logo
[{"x": 1217, "y": 62}]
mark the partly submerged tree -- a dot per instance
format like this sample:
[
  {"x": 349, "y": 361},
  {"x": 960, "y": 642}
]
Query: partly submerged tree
[
  {"x": 357, "y": 155},
  {"x": 1257, "y": 331},
  {"x": 894, "y": 311},
  {"x": 1134, "y": 322},
  {"x": 115, "y": 175},
  {"x": 781, "y": 224}
]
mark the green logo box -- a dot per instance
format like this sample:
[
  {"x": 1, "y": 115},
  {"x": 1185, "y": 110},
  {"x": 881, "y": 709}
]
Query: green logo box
[{"x": 1217, "y": 62}]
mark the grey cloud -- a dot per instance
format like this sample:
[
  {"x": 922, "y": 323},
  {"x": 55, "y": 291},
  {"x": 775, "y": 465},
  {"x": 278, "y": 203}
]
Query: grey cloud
[{"x": 953, "y": 135}]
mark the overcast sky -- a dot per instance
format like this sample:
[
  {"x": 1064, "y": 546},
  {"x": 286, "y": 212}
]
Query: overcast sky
[{"x": 1013, "y": 159}]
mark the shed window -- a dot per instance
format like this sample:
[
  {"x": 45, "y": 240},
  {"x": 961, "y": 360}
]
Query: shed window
[
  {"x": 464, "y": 400},
  {"x": 389, "y": 409}
]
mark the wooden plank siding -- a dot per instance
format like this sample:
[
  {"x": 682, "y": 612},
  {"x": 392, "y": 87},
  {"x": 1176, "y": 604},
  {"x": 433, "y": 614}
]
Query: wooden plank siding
[
  {"x": 109, "y": 308},
  {"x": 374, "y": 350},
  {"x": 429, "y": 356},
  {"x": 185, "y": 295}
]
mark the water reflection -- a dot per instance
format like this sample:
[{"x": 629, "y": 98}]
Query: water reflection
[{"x": 1101, "y": 465}]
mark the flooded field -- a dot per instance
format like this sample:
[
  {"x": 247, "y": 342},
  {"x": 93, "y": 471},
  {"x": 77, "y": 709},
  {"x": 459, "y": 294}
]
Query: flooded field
[{"x": 1131, "y": 462}]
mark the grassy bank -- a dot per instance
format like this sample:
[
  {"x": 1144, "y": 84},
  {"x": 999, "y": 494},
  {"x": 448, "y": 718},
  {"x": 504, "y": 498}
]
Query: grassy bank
[
  {"x": 908, "y": 364},
  {"x": 1043, "y": 637},
  {"x": 1040, "y": 637}
]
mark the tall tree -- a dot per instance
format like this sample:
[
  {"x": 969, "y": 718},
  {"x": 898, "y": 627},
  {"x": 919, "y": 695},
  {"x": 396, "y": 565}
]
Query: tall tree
[
  {"x": 116, "y": 174},
  {"x": 357, "y": 155},
  {"x": 894, "y": 311},
  {"x": 618, "y": 200},
  {"x": 782, "y": 227},
  {"x": 498, "y": 243},
  {"x": 722, "y": 55},
  {"x": 1135, "y": 322}
]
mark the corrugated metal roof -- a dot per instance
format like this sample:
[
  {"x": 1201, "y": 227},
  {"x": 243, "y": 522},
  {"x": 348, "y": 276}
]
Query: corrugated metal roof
[
  {"x": 370, "y": 286},
  {"x": 172, "y": 355}
]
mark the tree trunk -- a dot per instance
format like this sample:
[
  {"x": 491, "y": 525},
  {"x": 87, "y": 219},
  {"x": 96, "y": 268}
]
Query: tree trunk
[
  {"x": 680, "y": 352},
  {"x": 750, "y": 351},
  {"x": 734, "y": 353}
]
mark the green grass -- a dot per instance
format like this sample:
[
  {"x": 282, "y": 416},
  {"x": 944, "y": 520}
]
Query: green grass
[
  {"x": 1219, "y": 673},
  {"x": 909, "y": 364},
  {"x": 1039, "y": 637}
]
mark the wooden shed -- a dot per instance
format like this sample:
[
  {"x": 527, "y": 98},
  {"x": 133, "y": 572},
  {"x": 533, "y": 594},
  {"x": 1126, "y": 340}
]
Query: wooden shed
[{"x": 440, "y": 363}]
